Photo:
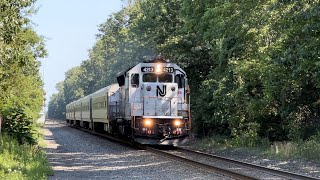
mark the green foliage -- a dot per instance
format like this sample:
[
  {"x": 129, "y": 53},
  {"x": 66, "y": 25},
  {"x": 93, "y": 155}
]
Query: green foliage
[
  {"x": 245, "y": 134},
  {"x": 18, "y": 125},
  {"x": 20, "y": 46},
  {"x": 57, "y": 105},
  {"x": 261, "y": 72},
  {"x": 22, "y": 161},
  {"x": 308, "y": 149},
  {"x": 21, "y": 92}
]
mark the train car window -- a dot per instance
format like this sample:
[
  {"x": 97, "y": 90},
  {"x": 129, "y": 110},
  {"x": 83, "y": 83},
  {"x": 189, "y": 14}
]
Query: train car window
[
  {"x": 135, "y": 80},
  {"x": 165, "y": 77},
  {"x": 179, "y": 79},
  {"x": 149, "y": 77}
]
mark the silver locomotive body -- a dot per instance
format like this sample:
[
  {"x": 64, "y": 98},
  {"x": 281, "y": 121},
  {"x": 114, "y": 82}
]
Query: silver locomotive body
[{"x": 150, "y": 104}]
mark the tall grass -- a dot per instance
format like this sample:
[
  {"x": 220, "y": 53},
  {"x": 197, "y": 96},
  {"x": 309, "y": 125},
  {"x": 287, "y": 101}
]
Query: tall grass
[
  {"x": 306, "y": 149},
  {"x": 22, "y": 161}
]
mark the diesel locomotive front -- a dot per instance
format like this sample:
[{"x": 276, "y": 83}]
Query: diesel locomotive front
[{"x": 150, "y": 104}]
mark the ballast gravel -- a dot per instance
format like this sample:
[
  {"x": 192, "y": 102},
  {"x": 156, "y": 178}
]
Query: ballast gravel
[{"x": 75, "y": 154}]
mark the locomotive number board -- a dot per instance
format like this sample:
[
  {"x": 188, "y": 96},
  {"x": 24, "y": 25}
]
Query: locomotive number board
[{"x": 152, "y": 69}]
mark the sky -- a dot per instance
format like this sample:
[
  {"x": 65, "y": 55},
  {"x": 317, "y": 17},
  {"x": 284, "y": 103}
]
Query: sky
[{"x": 69, "y": 28}]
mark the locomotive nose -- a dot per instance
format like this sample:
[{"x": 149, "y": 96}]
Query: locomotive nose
[{"x": 160, "y": 99}]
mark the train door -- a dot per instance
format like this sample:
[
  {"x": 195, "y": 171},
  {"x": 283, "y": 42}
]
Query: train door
[
  {"x": 134, "y": 88},
  {"x": 90, "y": 111},
  {"x": 135, "y": 95},
  {"x": 127, "y": 107},
  {"x": 74, "y": 112}
]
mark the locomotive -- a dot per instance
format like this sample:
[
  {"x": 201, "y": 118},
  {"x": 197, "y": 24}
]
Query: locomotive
[{"x": 150, "y": 104}]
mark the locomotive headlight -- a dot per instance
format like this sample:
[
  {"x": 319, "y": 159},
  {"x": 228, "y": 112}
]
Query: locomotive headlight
[
  {"x": 158, "y": 68},
  {"x": 177, "y": 122},
  {"x": 148, "y": 122}
]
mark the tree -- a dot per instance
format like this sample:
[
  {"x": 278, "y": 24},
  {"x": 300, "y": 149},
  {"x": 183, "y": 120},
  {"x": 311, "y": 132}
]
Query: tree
[
  {"x": 20, "y": 46},
  {"x": 57, "y": 105}
]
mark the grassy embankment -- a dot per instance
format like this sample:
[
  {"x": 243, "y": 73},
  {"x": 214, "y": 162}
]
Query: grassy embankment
[
  {"x": 306, "y": 149},
  {"x": 23, "y": 161}
]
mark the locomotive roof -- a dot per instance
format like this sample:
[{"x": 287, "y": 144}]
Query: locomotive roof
[{"x": 155, "y": 60}]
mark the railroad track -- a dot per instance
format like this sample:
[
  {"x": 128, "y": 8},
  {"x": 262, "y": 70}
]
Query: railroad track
[
  {"x": 220, "y": 165},
  {"x": 234, "y": 168}
]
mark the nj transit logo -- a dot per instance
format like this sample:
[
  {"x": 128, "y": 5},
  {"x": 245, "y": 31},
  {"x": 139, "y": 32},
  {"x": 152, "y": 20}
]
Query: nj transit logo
[{"x": 162, "y": 92}]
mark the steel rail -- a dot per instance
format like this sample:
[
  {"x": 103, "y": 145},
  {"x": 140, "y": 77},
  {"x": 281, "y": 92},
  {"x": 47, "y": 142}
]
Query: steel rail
[
  {"x": 280, "y": 173},
  {"x": 200, "y": 165},
  {"x": 217, "y": 170},
  {"x": 220, "y": 171}
]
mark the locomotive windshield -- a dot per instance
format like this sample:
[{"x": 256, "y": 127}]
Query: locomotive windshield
[
  {"x": 165, "y": 77},
  {"x": 149, "y": 77},
  {"x": 152, "y": 77}
]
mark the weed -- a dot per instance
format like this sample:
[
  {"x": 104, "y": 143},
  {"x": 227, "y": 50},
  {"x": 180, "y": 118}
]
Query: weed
[
  {"x": 308, "y": 149},
  {"x": 22, "y": 161}
]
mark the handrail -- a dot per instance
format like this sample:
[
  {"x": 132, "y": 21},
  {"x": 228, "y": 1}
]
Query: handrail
[{"x": 133, "y": 111}]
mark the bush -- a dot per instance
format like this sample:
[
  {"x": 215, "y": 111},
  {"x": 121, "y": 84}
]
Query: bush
[
  {"x": 22, "y": 161},
  {"x": 18, "y": 125},
  {"x": 310, "y": 149},
  {"x": 245, "y": 135}
]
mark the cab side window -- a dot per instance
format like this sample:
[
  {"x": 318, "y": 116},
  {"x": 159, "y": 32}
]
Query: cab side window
[
  {"x": 135, "y": 80},
  {"x": 179, "y": 79}
]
